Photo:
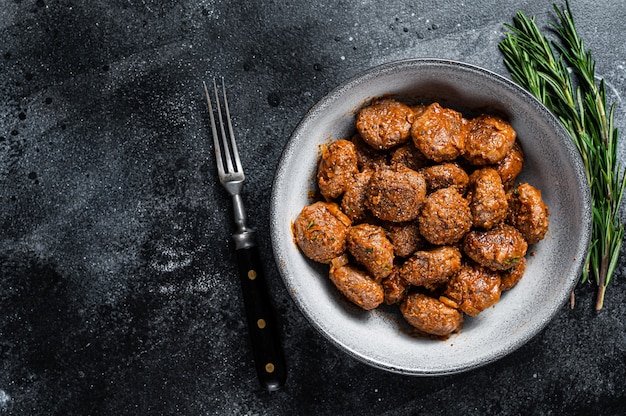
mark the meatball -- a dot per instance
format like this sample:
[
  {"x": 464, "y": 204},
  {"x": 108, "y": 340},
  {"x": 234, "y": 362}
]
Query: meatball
[
  {"x": 409, "y": 156},
  {"x": 355, "y": 284},
  {"x": 445, "y": 175},
  {"x": 430, "y": 315},
  {"x": 431, "y": 268},
  {"x": 445, "y": 217},
  {"x": 473, "y": 289},
  {"x": 405, "y": 237},
  {"x": 510, "y": 166},
  {"x": 418, "y": 110},
  {"x": 371, "y": 248},
  {"x": 395, "y": 288},
  {"x": 335, "y": 171},
  {"x": 396, "y": 193},
  {"x": 439, "y": 133},
  {"x": 321, "y": 230},
  {"x": 489, "y": 139},
  {"x": 528, "y": 213},
  {"x": 353, "y": 201},
  {"x": 497, "y": 249},
  {"x": 367, "y": 157},
  {"x": 511, "y": 277},
  {"x": 385, "y": 123},
  {"x": 488, "y": 201}
]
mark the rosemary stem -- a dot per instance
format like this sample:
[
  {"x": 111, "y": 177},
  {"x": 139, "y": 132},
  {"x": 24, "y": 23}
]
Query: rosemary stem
[
  {"x": 604, "y": 265},
  {"x": 600, "y": 297},
  {"x": 566, "y": 84}
]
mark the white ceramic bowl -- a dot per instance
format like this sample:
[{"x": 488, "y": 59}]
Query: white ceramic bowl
[{"x": 379, "y": 337}]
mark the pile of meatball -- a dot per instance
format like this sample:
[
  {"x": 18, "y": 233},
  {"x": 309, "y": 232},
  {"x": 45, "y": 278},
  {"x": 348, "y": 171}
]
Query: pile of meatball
[{"x": 421, "y": 208}]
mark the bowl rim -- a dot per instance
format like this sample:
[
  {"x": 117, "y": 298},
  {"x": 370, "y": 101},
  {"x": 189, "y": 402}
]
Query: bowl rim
[{"x": 396, "y": 65}]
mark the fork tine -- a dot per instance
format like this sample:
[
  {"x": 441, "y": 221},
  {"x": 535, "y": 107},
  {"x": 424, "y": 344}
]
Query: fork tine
[
  {"x": 216, "y": 143},
  {"x": 233, "y": 143},
  {"x": 226, "y": 151}
]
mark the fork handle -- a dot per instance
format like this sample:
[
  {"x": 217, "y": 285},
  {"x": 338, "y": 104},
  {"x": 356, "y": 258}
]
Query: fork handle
[{"x": 262, "y": 324}]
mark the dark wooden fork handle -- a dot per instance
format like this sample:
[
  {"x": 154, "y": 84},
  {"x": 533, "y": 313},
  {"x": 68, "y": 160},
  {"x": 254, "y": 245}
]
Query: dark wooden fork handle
[{"x": 263, "y": 328}]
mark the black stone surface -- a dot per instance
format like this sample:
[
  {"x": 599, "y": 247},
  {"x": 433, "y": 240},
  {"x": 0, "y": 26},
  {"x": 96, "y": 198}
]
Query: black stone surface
[{"x": 118, "y": 289}]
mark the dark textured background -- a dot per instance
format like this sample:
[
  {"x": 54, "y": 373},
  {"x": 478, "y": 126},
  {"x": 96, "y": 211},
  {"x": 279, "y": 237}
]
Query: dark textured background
[{"x": 118, "y": 293}]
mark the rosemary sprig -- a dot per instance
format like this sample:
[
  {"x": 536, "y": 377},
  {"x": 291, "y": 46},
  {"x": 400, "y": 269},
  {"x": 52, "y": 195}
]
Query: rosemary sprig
[{"x": 562, "y": 76}]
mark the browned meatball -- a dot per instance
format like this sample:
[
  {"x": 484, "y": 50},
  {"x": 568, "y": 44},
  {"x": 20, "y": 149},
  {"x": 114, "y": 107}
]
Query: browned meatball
[
  {"x": 418, "y": 110},
  {"x": 321, "y": 230},
  {"x": 409, "y": 156},
  {"x": 439, "y": 133},
  {"x": 511, "y": 277},
  {"x": 353, "y": 201},
  {"x": 335, "y": 171},
  {"x": 497, "y": 249},
  {"x": 355, "y": 284},
  {"x": 385, "y": 123},
  {"x": 489, "y": 139},
  {"x": 367, "y": 157},
  {"x": 445, "y": 217},
  {"x": 396, "y": 193},
  {"x": 473, "y": 289},
  {"x": 488, "y": 201},
  {"x": 371, "y": 248},
  {"x": 431, "y": 268},
  {"x": 528, "y": 213},
  {"x": 445, "y": 175},
  {"x": 395, "y": 288},
  {"x": 430, "y": 315},
  {"x": 510, "y": 166},
  {"x": 405, "y": 237}
]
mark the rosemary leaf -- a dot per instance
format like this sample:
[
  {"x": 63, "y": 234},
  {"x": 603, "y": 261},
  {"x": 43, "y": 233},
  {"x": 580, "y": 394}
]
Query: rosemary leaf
[{"x": 562, "y": 76}]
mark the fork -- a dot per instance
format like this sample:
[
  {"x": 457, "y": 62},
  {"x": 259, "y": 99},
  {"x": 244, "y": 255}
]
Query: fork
[{"x": 263, "y": 329}]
